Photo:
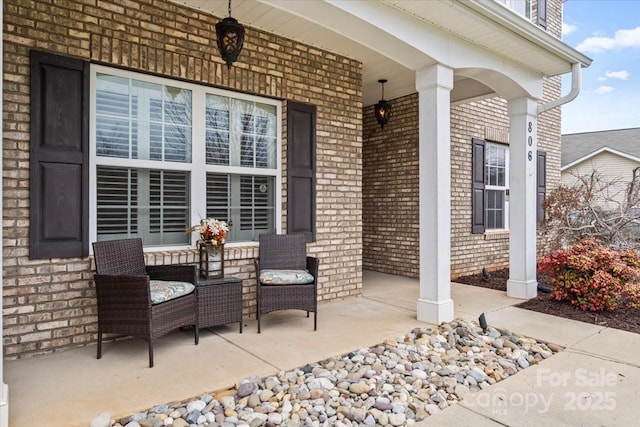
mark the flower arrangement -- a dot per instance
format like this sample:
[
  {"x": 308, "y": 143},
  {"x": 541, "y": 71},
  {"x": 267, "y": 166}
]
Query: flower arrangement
[{"x": 211, "y": 230}]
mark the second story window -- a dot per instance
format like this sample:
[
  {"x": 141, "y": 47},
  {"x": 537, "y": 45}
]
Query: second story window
[{"x": 522, "y": 7}]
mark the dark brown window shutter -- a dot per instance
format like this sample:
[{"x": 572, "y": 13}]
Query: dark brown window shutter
[
  {"x": 477, "y": 190},
  {"x": 542, "y": 13},
  {"x": 59, "y": 180},
  {"x": 301, "y": 169},
  {"x": 541, "y": 185}
]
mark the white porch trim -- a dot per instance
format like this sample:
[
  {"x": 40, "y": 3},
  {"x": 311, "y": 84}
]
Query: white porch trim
[
  {"x": 522, "y": 281},
  {"x": 434, "y": 86},
  {"x": 4, "y": 389}
]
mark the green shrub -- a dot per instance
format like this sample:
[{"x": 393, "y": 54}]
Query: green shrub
[{"x": 594, "y": 277}]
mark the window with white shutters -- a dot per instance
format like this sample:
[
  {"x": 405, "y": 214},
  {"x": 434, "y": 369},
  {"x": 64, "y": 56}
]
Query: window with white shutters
[
  {"x": 168, "y": 153},
  {"x": 241, "y": 136}
]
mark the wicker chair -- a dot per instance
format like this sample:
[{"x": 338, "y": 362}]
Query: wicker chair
[
  {"x": 286, "y": 252},
  {"x": 124, "y": 298}
]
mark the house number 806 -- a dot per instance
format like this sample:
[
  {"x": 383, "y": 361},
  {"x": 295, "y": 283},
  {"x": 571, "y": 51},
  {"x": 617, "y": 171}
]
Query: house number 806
[{"x": 530, "y": 140}]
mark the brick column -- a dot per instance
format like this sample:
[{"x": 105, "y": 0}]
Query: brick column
[{"x": 434, "y": 86}]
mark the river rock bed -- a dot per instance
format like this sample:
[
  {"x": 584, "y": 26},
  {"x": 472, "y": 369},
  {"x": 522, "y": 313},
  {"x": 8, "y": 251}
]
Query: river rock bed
[{"x": 395, "y": 383}]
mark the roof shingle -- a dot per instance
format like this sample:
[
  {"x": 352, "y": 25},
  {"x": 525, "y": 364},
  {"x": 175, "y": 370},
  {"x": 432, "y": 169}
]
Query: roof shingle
[{"x": 578, "y": 145}]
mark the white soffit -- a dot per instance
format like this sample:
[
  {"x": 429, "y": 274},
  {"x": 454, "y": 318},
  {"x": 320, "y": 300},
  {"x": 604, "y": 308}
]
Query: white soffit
[
  {"x": 455, "y": 18},
  {"x": 322, "y": 24}
]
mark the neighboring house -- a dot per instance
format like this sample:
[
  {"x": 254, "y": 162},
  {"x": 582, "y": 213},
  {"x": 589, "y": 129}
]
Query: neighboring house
[
  {"x": 120, "y": 119},
  {"x": 613, "y": 154}
]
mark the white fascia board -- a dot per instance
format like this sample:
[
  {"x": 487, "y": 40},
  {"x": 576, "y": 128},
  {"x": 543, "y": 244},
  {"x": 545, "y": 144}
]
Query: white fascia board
[
  {"x": 600, "y": 151},
  {"x": 501, "y": 15}
]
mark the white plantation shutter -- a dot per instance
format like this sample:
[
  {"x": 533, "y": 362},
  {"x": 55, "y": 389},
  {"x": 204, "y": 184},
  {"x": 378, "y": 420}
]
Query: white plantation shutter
[
  {"x": 246, "y": 201},
  {"x": 169, "y": 201},
  {"x": 217, "y": 136},
  {"x": 255, "y": 206},
  {"x": 257, "y": 146},
  {"x": 115, "y": 135},
  {"x": 169, "y": 136},
  {"x": 218, "y": 197},
  {"x": 152, "y": 204},
  {"x": 117, "y": 191},
  {"x": 138, "y": 120}
]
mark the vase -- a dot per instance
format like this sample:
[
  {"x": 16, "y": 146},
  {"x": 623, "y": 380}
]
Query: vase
[{"x": 211, "y": 260}]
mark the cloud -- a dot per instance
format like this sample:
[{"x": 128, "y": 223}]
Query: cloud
[
  {"x": 621, "y": 40},
  {"x": 602, "y": 79},
  {"x": 568, "y": 28},
  {"x": 604, "y": 89},
  {"x": 620, "y": 75}
]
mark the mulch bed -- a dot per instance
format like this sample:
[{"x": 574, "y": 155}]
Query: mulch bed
[{"x": 624, "y": 319}]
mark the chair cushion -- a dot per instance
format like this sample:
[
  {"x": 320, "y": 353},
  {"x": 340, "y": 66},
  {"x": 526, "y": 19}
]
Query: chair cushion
[
  {"x": 285, "y": 277},
  {"x": 165, "y": 290}
]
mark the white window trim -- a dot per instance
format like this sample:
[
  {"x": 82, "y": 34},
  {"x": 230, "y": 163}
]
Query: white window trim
[
  {"x": 197, "y": 168},
  {"x": 498, "y": 187},
  {"x": 521, "y": 7}
]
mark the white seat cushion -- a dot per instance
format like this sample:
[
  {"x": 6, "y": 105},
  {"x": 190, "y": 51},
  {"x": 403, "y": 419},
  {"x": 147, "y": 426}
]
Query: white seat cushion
[
  {"x": 165, "y": 290},
  {"x": 285, "y": 277}
]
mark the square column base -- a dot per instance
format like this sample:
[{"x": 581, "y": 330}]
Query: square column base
[
  {"x": 435, "y": 312},
  {"x": 522, "y": 289}
]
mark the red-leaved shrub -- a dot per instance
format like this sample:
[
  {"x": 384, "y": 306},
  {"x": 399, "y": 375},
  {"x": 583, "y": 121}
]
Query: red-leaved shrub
[{"x": 594, "y": 277}]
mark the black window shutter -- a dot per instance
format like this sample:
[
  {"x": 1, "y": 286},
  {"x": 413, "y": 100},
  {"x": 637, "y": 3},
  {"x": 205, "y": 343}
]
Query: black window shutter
[
  {"x": 541, "y": 185},
  {"x": 59, "y": 184},
  {"x": 301, "y": 169},
  {"x": 477, "y": 190},
  {"x": 542, "y": 13}
]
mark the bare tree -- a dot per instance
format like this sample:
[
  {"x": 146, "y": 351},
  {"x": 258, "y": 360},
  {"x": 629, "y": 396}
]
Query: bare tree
[{"x": 608, "y": 210}]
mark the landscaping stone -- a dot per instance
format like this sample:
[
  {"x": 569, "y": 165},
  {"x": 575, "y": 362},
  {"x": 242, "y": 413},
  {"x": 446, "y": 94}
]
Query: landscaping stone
[
  {"x": 102, "y": 420},
  {"x": 399, "y": 382}
]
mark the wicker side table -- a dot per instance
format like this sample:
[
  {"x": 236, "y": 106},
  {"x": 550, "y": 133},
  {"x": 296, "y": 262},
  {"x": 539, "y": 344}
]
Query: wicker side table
[{"x": 219, "y": 301}]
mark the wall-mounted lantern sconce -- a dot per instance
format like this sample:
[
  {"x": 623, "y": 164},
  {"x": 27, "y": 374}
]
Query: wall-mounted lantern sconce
[
  {"x": 382, "y": 109},
  {"x": 230, "y": 38}
]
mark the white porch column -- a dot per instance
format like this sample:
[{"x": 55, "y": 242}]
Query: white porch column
[
  {"x": 522, "y": 281},
  {"x": 4, "y": 389},
  {"x": 434, "y": 86}
]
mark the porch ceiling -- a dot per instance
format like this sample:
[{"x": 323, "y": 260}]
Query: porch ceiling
[{"x": 340, "y": 27}]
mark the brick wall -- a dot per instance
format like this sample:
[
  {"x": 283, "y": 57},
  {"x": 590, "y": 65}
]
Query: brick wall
[
  {"x": 390, "y": 190},
  {"x": 50, "y": 304},
  {"x": 390, "y": 178}
]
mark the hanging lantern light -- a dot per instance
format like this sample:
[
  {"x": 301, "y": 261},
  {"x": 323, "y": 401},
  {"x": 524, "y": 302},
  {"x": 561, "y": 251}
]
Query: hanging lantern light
[
  {"x": 230, "y": 38},
  {"x": 382, "y": 109}
]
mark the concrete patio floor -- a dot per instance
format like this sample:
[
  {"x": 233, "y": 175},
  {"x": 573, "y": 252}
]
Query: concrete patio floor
[{"x": 593, "y": 382}]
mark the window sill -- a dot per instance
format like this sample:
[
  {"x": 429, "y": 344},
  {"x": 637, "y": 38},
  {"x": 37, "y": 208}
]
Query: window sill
[
  {"x": 189, "y": 254},
  {"x": 496, "y": 234}
]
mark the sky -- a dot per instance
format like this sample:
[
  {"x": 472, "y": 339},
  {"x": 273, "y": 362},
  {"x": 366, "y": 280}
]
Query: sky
[{"x": 608, "y": 32}]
